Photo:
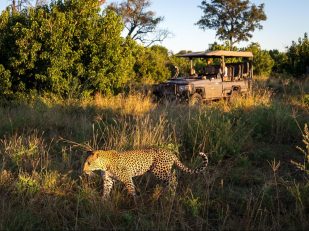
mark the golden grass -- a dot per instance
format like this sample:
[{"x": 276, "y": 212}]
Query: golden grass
[
  {"x": 133, "y": 104},
  {"x": 41, "y": 185},
  {"x": 258, "y": 97}
]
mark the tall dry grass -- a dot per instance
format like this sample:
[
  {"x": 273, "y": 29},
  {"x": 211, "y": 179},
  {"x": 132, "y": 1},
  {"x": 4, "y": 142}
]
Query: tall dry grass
[{"x": 250, "y": 182}]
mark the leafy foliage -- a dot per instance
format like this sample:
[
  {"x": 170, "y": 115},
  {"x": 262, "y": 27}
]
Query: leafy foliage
[
  {"x": 295, "y": 61},
  {"x": 280, "y": 61},
  {"x": 234, "y": 20},
  {"x": 304, "y": 166},
  {"x": 262, "y": 62},
  {"x": 67, "y": 48},
  {"x": 152, "y": 65},
  {"x": 72, "y": 49},
  {"x": 298, "y": 56},
  {"x": 5, "y": 81},
  {"x": 226, "y": 47}
]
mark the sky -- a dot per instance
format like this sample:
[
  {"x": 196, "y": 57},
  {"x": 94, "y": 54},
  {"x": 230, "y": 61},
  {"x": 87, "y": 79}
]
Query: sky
[{"x": 287, "y": 20}]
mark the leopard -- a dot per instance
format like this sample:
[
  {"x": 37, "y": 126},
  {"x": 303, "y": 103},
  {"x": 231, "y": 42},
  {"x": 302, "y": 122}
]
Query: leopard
[{"x": 125, "y": 165}]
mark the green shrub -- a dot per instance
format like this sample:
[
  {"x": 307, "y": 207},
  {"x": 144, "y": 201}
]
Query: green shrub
[
  {"x": 262, "y": 62},
  {"x": 5, "y": 81},
  {"x": 24, "y": 153},
  {"x": 67, "y": 48},
  {"x": 273, "y": 124},
  {"x": 306, "y": 99},
  {"x": 27, "y": 184},
  {"x": 220, "y": 134}
]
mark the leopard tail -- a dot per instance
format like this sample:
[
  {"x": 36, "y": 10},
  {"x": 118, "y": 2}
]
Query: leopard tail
[{"x": 182, "y": 167}]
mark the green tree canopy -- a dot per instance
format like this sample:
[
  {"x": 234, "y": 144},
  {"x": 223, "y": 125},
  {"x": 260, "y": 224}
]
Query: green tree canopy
[
  {"x": 234, "y": 20},
  {"x": 67, "y": 48},
  {"x": 262, "y": 61},
  {"x": 152, "y": 65},
  {"x": 280, "y": 61},
  {"x": 298, "y": 56}
]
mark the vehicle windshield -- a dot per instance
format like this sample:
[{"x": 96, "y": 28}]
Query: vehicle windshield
[{"x": 228, "y": 65}]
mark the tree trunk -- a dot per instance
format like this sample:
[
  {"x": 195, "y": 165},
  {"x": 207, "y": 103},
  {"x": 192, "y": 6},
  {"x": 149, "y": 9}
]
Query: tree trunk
[
  {"x": 231, "y": 43},
  {"x": 13, "y": 6}
]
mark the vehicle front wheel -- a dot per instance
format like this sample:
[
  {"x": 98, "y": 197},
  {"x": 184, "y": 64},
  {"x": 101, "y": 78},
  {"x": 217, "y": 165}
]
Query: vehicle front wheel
[
  {"x": 196, "y": 99},
  {"x": 234, "y": 96}
]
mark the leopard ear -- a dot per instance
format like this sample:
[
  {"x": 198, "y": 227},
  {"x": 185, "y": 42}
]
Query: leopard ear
[{"x": 96, "y": 154}]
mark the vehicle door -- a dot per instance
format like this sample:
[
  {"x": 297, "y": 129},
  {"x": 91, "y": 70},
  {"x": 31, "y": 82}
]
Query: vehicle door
[{"x": 214, "y": 90}]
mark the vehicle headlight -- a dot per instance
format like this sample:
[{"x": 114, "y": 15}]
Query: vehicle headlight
[{"x": 184, "y": 88}]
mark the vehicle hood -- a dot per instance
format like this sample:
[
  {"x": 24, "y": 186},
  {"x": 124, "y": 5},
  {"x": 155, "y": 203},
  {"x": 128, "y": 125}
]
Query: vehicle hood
[{"x": 181, "y": 81}]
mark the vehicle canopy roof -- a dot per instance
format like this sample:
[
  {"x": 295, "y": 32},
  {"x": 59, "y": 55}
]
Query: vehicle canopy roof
[{"x": 218, "y": 54}]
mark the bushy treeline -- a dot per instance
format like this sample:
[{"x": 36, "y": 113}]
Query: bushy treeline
[
  {"x": 72, "y": 48},
  {"x": 295, "y": 61}
]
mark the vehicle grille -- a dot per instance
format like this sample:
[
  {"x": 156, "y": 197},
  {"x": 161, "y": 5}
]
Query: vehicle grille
[{"x": 169, "y": 89}]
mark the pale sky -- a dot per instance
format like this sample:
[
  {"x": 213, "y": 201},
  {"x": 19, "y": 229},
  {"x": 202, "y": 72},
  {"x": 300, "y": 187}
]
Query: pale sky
[{"x": 287, "y": 20}]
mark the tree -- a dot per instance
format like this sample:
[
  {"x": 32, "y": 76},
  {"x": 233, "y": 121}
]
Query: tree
[
  {"x": 5, "y": 82},
  {"x": 152, "y": 65},
  {"x": 262, "y": 62},
  {"x": 226, "y": 47},
  {"x": 67, "y": 48},
  {"x": 141, "y": 24},
  {"x": 234, "y": 20},
  {"x": 280, "y": 61},
  {"x": 298, "y": 57},
  {"x": 17, "y": 5}
]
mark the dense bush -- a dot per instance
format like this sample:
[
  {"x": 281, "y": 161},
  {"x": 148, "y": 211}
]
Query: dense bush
[
  {"x": 280, "y": 61},
  {"x": 295, "y": 61},
  {"x": 5, "y": 81},
  {"x": 262, "y": 62},
  {"x": 151, "y": 64},
  {"x": 66, "y": 48},
  {"x": 298, "y": 57},
  {"x": 71, "y": 49}
]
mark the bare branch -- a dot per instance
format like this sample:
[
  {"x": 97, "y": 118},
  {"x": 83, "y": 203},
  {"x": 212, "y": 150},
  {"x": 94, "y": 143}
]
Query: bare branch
[{"x": 141, "y": 24}]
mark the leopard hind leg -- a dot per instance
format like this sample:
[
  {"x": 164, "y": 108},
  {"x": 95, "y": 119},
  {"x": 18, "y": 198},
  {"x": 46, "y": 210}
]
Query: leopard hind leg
[{"x": 168, "y": 178}]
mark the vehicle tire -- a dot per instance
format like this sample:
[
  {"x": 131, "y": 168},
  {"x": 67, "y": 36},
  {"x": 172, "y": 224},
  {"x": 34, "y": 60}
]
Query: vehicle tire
[
  {"x": 196, "y": 99},
  {"x": 234, "y": 96}
]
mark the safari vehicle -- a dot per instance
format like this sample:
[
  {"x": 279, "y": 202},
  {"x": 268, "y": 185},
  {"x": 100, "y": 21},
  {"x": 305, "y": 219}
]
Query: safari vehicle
[{"x": 216, "y": 81}]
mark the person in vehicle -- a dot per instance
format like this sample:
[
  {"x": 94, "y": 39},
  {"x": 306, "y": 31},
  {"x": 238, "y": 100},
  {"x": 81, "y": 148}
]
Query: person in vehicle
[
  {"x": 193, "y": 73},
  {"x": 223, "y": 71}
]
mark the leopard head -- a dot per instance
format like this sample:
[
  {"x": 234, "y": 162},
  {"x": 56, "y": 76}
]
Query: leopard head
[{"x": 92, "y": 163}]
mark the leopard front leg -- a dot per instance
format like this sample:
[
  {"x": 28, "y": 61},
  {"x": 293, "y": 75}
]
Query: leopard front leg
[
  {"x": 130, "y": 187},
  {"x": 128, "y": 182},
  {"x": 108, "y": 183}
]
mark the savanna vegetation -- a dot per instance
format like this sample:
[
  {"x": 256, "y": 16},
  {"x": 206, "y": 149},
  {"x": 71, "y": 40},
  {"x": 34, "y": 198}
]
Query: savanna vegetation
[{"x": 69, "y": 82}]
